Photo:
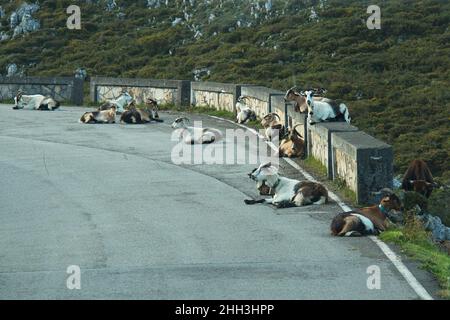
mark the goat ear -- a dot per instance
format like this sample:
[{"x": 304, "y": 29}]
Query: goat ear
[{"x": 267, "y": 165}]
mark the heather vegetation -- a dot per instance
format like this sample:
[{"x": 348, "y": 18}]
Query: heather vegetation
[{"x": 395, "y": 80}]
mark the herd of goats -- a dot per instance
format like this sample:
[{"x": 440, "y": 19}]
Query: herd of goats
[{"x": 284, "y": 192}]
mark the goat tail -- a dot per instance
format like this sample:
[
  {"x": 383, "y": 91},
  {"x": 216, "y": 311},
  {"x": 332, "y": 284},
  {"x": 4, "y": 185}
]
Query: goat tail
[{"x": 344, "y": 110}]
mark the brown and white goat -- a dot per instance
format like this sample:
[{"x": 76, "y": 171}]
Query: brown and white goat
[
  {"x": 137, "y": 116},
  {"x": 418, "y": 178},
  {"x": 287, "y": 192},
  {"x": 293, "y": 145},
  {"x": 104, "y": 116},
  {"x": 366, "y": 221},
  {"x": 273, "y": 125}
]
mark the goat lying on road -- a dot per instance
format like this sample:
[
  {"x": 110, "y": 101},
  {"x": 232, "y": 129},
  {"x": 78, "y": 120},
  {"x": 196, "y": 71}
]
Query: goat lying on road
[
  {"x": 105, "y": 116},
  {"x": 287, "y": 192},
  {"x": 418, "y": 178},
  {"x": 123, "y": 101},
  {"x": 272, "y": 123},
  {"x": 34, "y": 102},
  {"x": 244, "y": 113},
  {"x": 366, "y": 221},
  {"x": 195, "y": 135},
  {"x": 293, "y": 145},
  {"x": 135, "y": 116}
]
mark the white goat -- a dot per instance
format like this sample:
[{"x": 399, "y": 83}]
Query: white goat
[
  {"x": 287, "y": 192},
  {"x": 34, "y": 102},
  {"x": 324, "y": 110},
  {"x": 244, "y": 112},
  {"x": 195, "y": 135},
  {"x": 124, "y": 100}
]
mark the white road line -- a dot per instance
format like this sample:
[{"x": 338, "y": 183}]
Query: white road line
[{"x": 391, "y": 255}]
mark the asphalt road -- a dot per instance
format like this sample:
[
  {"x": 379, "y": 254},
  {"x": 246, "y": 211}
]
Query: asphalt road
[{"x": 108, "y": 199}]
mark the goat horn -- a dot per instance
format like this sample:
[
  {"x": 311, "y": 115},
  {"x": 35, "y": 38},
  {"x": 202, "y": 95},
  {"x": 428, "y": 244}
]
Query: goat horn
[
  {"x": 294, "y": 129},
  {"x": 276, "y": 115}
]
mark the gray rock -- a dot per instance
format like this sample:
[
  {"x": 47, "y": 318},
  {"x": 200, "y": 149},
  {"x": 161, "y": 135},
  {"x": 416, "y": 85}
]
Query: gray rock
[
  {"x": 27, "y": 24},
  {"x": 439, "y": 232},
  {"x": 14, "y": 20},
  {"x": 81, "y": 73},
  {"x": 12, "y": 70},
  {"x": 153, "y": 4},
  {"x": 176, "y": 21},
  {"x": 111, "y": 5},
  {"x": 200, "y": 73},
  {"x": 2, "y": 12},
  {"x": 4, "y": 36}
]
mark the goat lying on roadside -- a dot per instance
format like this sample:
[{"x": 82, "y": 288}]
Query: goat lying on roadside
[
  {"x": 34, "y": 102},
  {"x": 136, "y": 116},
  {"x": 287, "y": 192},
  {"x": 244, "y": 112},
  {"x": 123, "y": 101},
  {"x": 293, "y": 145},
  {"x": 418, "y": 178},
  {"x": 300, "y": 100},
  {"x": 272, "y": 123},
  {"x": 104, "y": 116},
  {"x": 195, "y": 135},
  {"x": 366, "y": 221}
]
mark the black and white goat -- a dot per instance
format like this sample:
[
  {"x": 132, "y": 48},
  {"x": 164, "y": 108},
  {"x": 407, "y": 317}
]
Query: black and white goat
[
  {"x": 324, "y": 110},
  {"x": 136, "y": 116},
  {"x": 287, "y": 192},
  {"x": 195, "y": 135},
  {"x": 273, "y": 125},
  {"x": 244, "y": 112},
  {"x": 35, "y": 102}
]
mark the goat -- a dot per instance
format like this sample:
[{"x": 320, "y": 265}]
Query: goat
[
  {"x": 293, "y": 145},
  {"x": 134, "y": 115},
  {"x": 263, "y": 189},
  {"x": 244, "y": 112},
  {"x": 324, "y": 110},
  {"x": 366, "y": 221},
  {"x": 418, "y": 178},
  {"x": 123, "y": 101},
  {"x": 300, "y": 100},
  {"x": 272, "y": 123},
  {"x": 195, "y": 135},
  {"x": 34, "y": 102},
  {"x": 103, "y": 116},
  {"x": 287, "y": 192}
]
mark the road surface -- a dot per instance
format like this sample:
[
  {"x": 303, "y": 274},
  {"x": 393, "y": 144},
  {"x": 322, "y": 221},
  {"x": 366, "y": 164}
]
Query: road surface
[{"x": 108, "y": 198}]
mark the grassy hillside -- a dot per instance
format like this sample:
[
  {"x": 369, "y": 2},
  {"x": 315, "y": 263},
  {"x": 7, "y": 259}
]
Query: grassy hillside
[{"x": 395, "y": 80}]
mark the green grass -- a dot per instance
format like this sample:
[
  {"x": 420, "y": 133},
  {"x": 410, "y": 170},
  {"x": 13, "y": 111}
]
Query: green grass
[
  {"x": 417, "y": 244},
  {"x": 344, "y": 191},
  {"x": 315, "y": 167}
]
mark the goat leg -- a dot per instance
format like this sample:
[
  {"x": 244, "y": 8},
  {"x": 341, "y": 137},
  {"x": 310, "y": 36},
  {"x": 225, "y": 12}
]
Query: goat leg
[{"x": 251, "y": 201}]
